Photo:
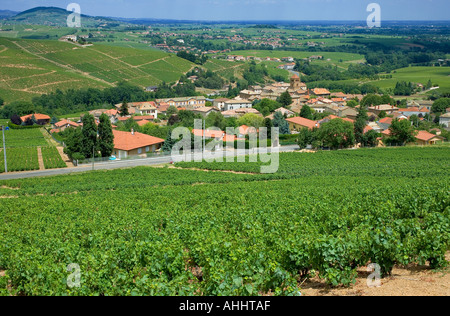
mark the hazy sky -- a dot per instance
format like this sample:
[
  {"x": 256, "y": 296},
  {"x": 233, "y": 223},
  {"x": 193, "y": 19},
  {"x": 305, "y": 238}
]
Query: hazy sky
[{"x": 297, "y": 10}]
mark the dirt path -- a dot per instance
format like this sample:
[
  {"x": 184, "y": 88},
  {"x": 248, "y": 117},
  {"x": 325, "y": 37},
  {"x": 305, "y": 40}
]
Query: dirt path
[
  {"x": 412, "y": 280},
  {"x": 58, "y": 146},
  {"x": 40, "y": 159},
  {"x": 64, "y": 157}
]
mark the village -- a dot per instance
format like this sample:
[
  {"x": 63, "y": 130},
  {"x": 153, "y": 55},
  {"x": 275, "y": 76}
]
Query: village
[{"x": 326, "y": 106}]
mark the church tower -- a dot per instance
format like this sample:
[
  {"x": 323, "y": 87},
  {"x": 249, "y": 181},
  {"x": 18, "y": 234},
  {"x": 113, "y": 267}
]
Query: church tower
[{"x": 295, "y": 83}]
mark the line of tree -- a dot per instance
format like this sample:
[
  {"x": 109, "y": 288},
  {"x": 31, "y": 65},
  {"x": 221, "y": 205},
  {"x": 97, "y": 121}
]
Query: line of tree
[
  {"x": 90, "y": 140},
  {"x": 75, "y": 101}
]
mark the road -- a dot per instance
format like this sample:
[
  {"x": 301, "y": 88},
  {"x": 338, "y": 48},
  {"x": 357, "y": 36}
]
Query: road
[{"x": 120, "y": 164}]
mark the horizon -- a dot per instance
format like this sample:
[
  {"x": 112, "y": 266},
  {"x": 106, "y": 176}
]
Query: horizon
[{"x": 251, "y": 10}]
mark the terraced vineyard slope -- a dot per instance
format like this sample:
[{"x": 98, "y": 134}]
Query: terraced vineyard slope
[{"x": 33, "y": 67}]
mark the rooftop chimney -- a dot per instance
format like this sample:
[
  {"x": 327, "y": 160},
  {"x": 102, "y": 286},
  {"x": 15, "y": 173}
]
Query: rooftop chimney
[{"x": 132, "y": 131}]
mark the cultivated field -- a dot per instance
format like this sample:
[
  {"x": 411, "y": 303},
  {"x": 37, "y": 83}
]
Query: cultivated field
[
  {"x": 28, "y": 150},
  {"x": 29, "y": 67},
  {"x": 162, "y": 231}
]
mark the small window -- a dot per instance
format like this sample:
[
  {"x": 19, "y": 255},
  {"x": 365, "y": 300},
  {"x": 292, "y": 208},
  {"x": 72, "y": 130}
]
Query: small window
[
  {"x": 140, "y": 151},
  {"x": 147, "y": 149}
]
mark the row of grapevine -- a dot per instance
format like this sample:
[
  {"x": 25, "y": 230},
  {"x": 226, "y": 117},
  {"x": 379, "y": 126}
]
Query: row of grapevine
[
  {"x": 20, "y": 159},
  {"x": 148, "y": 231},
  {"x": 52, "y": 158}
]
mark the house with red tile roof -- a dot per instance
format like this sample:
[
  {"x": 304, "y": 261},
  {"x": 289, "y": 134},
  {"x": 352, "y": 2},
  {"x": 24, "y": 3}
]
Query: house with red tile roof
[
  {"x": 425, "y": 138},
  {"x": 41, "y": 119},
  {"x": 386, "y": 108},
  {"x": 64, "y": 124},
  {"x": 321, "y": 92},
  {"x": 298, "y": 123},
  {"x": 134, "y": 144},
  {"x": 422, "y": 111}
]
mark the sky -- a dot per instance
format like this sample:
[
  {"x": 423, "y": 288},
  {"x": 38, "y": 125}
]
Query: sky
[{"x": 270, "y": 10}]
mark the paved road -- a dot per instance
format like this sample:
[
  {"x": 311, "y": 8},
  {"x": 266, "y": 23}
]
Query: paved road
[{"x": 123, "y": 164}]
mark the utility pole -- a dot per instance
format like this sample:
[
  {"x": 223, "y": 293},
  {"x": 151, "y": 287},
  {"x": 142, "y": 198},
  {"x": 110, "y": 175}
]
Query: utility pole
[
  {"x": 4, "y": 149},
  {"x": 93, "y": 157}
]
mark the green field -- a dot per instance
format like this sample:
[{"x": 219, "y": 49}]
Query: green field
[
  {"x": 30, "y": 67},
  {"x": 438, "y": 75},
  {"x": 22, "y": 151},
  {"x": 161, "y": 231},
  {"x": 335, "y": 58}
]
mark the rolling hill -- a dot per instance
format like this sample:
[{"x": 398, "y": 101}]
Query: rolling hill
[
  {"x": 52, "y": 16},
  {"x": 33, "y": 67},
  {"x": 4, "y": 14}
]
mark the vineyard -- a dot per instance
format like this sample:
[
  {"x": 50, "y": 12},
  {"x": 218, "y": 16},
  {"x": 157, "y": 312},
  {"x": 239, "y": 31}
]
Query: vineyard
[
  {"x": 20, "y": 159},
  {"x": 52, "y": 159},
  {"x": 163, "y": 231},
  {"x": 22, "y": 151},
  {"x": 33, "y": 67}
]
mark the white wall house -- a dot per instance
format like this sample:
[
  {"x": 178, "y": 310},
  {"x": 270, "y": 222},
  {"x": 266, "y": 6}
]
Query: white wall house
[{"x": 237, "y": 104}]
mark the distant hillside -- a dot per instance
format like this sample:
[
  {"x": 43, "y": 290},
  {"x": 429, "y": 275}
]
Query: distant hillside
[
  {"x": 53, "y": 16},
  {"x": 7, "y": 14},
  {"x": 33, "y": 67}
]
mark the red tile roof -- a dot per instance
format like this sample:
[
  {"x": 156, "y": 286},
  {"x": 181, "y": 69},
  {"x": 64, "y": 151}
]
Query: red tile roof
[
  {"x": 319, "y": 91},
  {"x": 143, "y": 122},
  {"x": 367, "y": 129},
  {"x": 127, "y": 141},
  {"x": 386, "y": 120},
  {"x": 37, "y": 116},
  {"x": 425, "y": 136},
  {"x": 65, "y": 123},
  {"x": 414, "y": 109},
  {"x": 303, "y": 122}
]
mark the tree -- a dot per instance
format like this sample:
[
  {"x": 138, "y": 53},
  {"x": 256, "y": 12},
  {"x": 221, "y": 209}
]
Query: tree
[
  {"x": 337, "y": 134},
  {"x": 2, "y": 102},
  {"x": 215, "y": 119},
  {"x": 268, "y": 125},
  {"x": 20, "y": 108},
  {"x": 401, "y": 133},
  {"x": 54, "y": 120},
  {"x": 172, "y": 110},
  {"x": 174, "y": 119},
  {"x": 352, "y": 103},
  {"x": 72, "y": 140},
  {"x": 105, "y": 136},
  {"x": 252, "y": 120},
  {"x": 89, "y": 137},
  {"x": 429, "y": 85},
  {"x": 285, "y": 99},
  {"x": 370, "y": 139},
  {"x": 306, "y": 112},
  {"x": 440, "y": 105},
  {"x": 305, "y": 138},
  {"x": 382, "y": 115},
  {"x": 360, "y": 124},
  {"x": 169, "y": 142},
  {"x": 124, "y": 108},
  {"x": 414, "y": 119},
  {"x": 15, "y": 119},
  {"x": 280, "y": 122},
  {"x": 266, "y": 105}
]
